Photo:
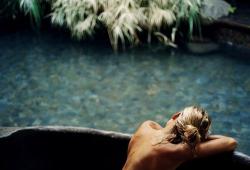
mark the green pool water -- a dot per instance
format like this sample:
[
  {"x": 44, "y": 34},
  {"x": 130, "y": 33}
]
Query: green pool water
[{"x": 48, "y": 79}]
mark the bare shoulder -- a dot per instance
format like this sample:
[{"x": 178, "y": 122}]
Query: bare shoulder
[
  {"x": 150, "y": 124},
  {"x": 144, "y": 131}
]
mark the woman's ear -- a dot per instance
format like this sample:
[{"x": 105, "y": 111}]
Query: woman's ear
[{"x": 175, "y": 115}]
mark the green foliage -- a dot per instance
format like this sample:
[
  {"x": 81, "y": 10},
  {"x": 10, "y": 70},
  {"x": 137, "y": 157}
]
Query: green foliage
[
  {"x": 232, "y": 9},
  {"x": 80, "y": 16},
  {"x": 188, "y": 11},
  {"x": 122, "y": 19},
  {"x": 31, "y": 8},
  {"x": 159, "y": 14},
  {"x": 13, "y": 8},
  {"x": 125, "y": 19}
]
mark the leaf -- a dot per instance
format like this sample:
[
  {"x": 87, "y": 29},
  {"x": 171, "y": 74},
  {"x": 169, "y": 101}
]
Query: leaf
[
  {"x": 164, "y": 39},
  {"x": 80, "y": 16},
  {"x": 86, "y": 27},
  {"x": 32, "y": 7}
]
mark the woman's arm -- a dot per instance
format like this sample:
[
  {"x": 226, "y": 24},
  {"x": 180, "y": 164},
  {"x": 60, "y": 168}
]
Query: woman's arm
[{"x": 214, "y": 145}]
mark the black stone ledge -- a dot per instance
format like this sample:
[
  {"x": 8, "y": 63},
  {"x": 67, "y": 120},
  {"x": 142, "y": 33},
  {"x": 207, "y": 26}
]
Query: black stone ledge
[
  {"x": 73, "y": 148},
  {"x": 226, "y": 31}
]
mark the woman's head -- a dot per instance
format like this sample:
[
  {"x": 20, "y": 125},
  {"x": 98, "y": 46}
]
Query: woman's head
[{"x": 191, "y": 126}]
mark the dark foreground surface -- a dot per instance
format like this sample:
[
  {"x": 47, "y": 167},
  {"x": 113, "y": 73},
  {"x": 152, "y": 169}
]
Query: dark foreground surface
[{"x": 59, "y": 148}]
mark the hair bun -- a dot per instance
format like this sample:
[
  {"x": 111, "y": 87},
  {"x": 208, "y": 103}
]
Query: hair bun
[
  {"x": 191, "y": 135},
  {"x": 204, "y": 124}
]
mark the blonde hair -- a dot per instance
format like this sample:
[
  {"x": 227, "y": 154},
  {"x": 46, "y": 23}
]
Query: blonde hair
[{"x": 191, "y": 126}]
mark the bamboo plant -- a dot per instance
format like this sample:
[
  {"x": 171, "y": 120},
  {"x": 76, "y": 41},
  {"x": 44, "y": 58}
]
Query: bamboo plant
[{"x": 123, "y": 19}]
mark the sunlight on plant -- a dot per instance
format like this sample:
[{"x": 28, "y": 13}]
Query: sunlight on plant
[
  {"x": 122, "y": 20},
  {"x": 159, "y": 14},
  {"x": 80, "y": 16},
  {"x": 125, "y": 19},
  {"x": 31, "y": 7}
]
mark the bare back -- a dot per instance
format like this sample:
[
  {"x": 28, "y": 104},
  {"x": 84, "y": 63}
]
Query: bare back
[{"x": 149, "y": 150}]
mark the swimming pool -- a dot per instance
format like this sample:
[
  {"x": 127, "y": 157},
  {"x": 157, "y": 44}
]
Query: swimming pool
[{"x": 49, "y": 79}]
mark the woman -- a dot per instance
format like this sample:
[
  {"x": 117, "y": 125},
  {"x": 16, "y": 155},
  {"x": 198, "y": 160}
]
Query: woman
[{"x": 184, "y": 137}]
